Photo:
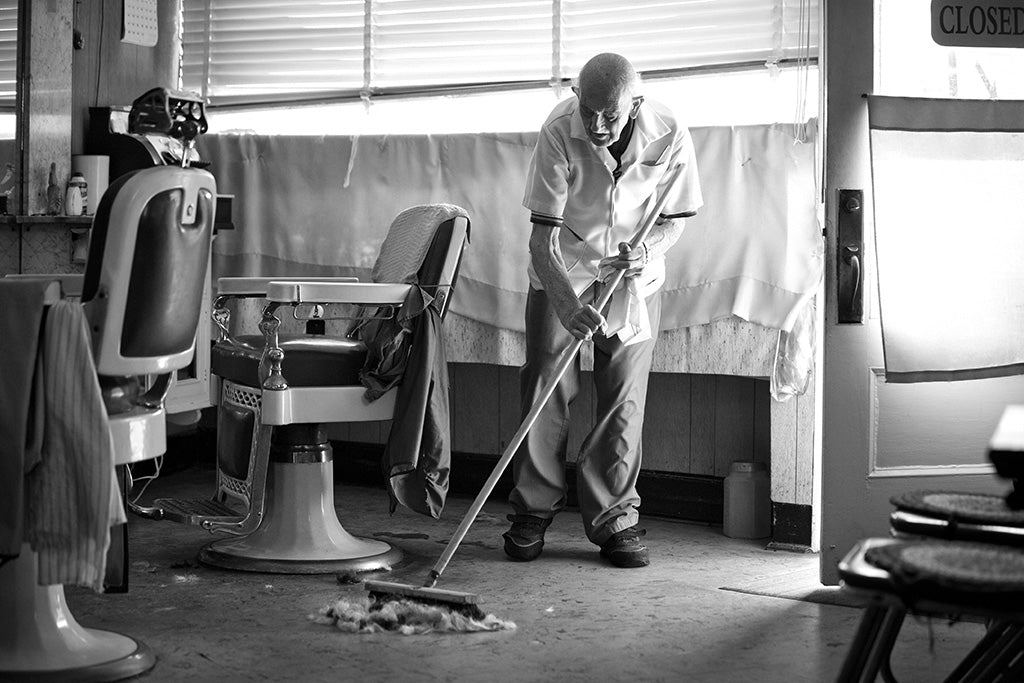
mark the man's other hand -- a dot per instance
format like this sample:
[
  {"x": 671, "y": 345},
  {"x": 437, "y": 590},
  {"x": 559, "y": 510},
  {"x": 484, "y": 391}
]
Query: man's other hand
[
  {"x": 630, "y": 260},
  {"x": 583, "y": 322}
]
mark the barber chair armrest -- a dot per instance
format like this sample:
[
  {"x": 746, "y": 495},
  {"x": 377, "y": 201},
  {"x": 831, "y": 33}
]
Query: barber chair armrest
[
  {"x": 70, "y": 284},
  {"x": 313, "y": 291},
  {"x": 257, "y": 286},
  {"x": 253, "y": 288}
]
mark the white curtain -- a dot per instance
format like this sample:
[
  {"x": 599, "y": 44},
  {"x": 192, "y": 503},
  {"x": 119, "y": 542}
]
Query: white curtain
[
  {"x": 947, "y": 181},
  {"x": 322, "y": 205}
]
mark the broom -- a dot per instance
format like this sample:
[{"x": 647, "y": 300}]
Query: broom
[{"x": 382, "y": 591}]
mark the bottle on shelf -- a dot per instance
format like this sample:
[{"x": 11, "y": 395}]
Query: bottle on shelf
[
  {"x": 74, "y": 200},
  {"x": 53, "y": 194}
]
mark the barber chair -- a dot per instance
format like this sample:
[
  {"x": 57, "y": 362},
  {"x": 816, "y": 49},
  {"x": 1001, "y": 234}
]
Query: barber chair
[
  {"x": 951, "y": 555},
  {"x": 275, "y": 473},
  {"x": 141, "y": 292}
]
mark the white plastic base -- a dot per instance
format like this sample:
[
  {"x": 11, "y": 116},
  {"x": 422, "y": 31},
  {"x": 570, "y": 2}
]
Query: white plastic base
[
  {"x": 139, "y": 434},
  {"x": 300, "y": 532},
  {"x": 40, "y": 640}
]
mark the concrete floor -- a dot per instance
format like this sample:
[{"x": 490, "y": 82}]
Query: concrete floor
[{"x": 578, "y": 618}]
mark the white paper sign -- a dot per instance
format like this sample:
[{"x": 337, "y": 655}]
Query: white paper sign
[{"x": 139, "y": 25}]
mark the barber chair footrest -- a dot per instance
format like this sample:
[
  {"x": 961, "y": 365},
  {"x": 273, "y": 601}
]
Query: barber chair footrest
[{"x": 195, "y": 511}]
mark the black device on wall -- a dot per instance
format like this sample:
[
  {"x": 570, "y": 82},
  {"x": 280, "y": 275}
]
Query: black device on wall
[{"x": 108, "y": 133}]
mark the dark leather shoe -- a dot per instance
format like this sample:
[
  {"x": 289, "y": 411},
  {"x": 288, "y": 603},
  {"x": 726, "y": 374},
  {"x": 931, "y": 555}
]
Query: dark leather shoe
[
  {"x": 525, "y": 539},
  {"x": 624, "y": 549}
]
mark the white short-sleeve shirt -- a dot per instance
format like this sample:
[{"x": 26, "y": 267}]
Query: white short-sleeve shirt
[{"x": 571, "y": 184}]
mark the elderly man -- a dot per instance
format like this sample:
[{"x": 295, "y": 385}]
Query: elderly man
[{"x": 601, "y": 163}]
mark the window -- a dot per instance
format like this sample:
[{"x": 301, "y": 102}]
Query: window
[
  {"x": 946, "y": 141},
  {"x": 909, "y": 63},
  {"x": 271, "y": 51},
  {"x": 8, "y": 54},
  {"x": 735, "y": 98}
]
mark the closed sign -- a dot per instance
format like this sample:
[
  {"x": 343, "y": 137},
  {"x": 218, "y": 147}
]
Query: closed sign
[{"x": 981, "y": 23}]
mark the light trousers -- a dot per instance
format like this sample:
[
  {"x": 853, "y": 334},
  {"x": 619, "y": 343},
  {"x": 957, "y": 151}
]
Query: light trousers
[{"x": 609, "y": 459}]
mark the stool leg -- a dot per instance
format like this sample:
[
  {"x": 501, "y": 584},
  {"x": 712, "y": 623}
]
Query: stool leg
[
  {"x": 1015, "y": 670},
  {"x": 993, "y": 660},
  {"x": 878, "y": 659},
  {"x": 993, "y": 634},
  {"x": 872, "y": 643}
]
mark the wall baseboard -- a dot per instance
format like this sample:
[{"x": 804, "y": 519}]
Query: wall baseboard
[
  {"x": 791, "y": 524},
  {"x": 690, "y": 497}
]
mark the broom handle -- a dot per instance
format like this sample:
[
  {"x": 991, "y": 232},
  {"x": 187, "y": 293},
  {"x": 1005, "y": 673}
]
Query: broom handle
[{"x": 560, "y": 369}]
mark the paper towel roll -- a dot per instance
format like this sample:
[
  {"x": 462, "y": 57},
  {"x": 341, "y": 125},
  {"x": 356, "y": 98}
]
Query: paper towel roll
[{"x": 96, "y": 169}]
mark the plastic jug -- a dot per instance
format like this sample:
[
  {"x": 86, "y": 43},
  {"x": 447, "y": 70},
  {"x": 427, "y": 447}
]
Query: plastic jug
[{"x": 748, "y": 507}]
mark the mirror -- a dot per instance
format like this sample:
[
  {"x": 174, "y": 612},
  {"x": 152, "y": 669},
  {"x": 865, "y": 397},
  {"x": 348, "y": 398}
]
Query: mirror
[
  {"x": 70, "y": 58},
  {"x": 44, "y": 99}
]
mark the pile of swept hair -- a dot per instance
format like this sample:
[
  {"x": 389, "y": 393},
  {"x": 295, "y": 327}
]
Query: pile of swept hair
[{"x": 406, "y": 617}]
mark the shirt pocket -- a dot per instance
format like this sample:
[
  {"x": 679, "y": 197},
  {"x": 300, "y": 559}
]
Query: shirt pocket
[
  {"x": 643, "y": 181},
  {"x": 656, "y": 157}
]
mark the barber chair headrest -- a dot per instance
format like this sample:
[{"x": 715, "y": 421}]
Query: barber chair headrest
[{"x": 147, "y": 267}]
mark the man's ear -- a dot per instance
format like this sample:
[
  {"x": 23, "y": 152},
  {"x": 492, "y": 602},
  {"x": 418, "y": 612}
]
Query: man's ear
[
  {"x": 576, "y": 90},
  {"x": 635, "y": 109}
]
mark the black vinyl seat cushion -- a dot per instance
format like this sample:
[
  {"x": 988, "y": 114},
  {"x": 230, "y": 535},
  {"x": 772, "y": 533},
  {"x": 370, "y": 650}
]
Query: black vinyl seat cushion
[
  {"x": 309, "y": 360},
  {"x": 978, "y": 574},
  {"x": 975, "y": 508}
]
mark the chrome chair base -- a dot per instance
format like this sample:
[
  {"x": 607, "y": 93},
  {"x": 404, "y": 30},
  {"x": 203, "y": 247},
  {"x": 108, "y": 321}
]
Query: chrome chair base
[
  {"x": 40, "y": 640},
  {"x": 300, "y": 532}
]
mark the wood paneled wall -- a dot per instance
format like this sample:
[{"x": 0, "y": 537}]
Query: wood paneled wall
[
  {"x": 107, "y": 72},
  {"x": 695, "y": 424}
]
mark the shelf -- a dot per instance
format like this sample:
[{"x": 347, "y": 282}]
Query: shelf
[
  {"x": 221, "y": 223},
  {"x": 73, "y": 221}
]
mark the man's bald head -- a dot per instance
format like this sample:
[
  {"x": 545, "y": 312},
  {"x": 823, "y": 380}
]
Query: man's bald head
[
  {"x": 609, "y": 96},
  {"x": 610, "y": 76}
]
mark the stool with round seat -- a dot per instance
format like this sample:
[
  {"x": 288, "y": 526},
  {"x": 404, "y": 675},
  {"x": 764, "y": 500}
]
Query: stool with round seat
[
  {"x": 952, "y": 554},
  {"x": 954, "y": 515},
  {"x": 942, "y": 579}
]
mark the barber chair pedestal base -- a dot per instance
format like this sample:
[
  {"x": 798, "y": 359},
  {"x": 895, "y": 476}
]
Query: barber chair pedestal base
[
  {"x": 300, "y": 532},
  {"x": 40, "y": 640}
]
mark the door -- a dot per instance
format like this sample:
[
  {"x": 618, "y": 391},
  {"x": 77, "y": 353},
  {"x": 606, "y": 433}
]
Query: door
[{"x": 881, "y": 439}]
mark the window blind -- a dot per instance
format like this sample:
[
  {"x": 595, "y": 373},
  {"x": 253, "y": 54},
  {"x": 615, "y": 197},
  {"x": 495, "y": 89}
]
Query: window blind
[
  {"x": 271, "y": 50},
  {"x": 670, "y": 35},
  {"x": 435, "y": 43},
  {"x": 8, "y": 53},
  {"x": 246, "y": 51}
]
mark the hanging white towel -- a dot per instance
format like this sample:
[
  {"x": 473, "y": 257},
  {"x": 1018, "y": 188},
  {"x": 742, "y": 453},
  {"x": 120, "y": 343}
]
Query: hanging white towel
[
  {"x": 627, "y": 316},
  {"x": 72, "y": 493}
]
